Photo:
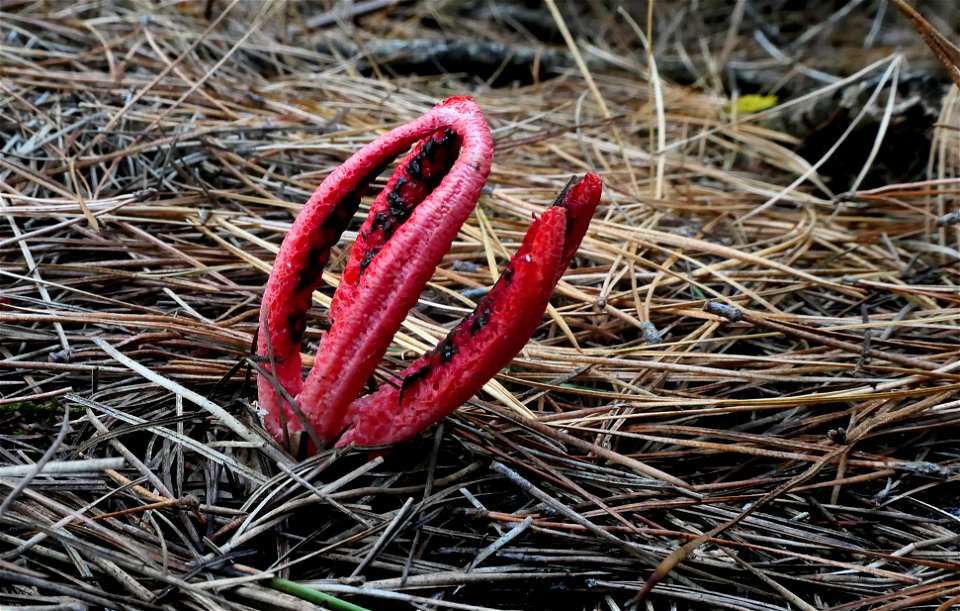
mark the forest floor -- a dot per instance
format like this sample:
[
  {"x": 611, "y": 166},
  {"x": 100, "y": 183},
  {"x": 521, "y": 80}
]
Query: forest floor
[{"x": 746, "y": 394}]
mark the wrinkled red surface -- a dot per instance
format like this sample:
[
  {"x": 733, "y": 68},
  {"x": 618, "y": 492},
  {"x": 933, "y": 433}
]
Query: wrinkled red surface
[
  {"x": 353, "y": 347},
  {"x": 411, "y": 225},
  {"x": 444, "y": 378},
  {"x": 488, "y": 339}
]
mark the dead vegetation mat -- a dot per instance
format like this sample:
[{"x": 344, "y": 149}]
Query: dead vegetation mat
[{"x": 794, "y": 445}]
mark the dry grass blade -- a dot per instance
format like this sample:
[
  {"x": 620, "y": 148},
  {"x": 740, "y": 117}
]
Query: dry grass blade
[
  {"x": 745, "y": 394},
  {"x": 947, "y": 52}
]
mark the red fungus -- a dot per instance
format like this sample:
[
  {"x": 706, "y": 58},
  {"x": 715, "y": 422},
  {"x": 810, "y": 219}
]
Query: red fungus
[{"x": 411, "y": 225}]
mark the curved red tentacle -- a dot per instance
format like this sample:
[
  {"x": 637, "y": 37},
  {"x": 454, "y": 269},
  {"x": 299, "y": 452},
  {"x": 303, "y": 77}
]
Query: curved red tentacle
[
  {"x": 476, "y": 349},
  {"x": 435, "y": 188},
  {"x": 414, "y": 179},
  {"x": 473, "y": 352},
  {"x": 580, "y": 200},
  {"x": 352, "y": 349}
]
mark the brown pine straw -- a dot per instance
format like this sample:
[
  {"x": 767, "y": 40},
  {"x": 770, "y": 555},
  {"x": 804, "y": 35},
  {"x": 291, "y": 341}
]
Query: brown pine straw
[{"x": 795, "y": 445}]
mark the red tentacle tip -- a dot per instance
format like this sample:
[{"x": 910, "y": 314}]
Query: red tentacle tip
[
  {"x": 412, "y": 224},
  {"x": 587, "y": 189}
]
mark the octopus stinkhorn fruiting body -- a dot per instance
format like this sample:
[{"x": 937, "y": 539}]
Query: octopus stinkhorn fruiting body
[{"x": 411, "y": 225}]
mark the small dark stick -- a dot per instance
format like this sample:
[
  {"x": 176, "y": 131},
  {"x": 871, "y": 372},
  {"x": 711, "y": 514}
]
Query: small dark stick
[
  {"x": 650, "y": 333},
  {"x": 867, "y": 339},
  {"x": 953, "y": 218},
  {"x": 721, "y": 309}
]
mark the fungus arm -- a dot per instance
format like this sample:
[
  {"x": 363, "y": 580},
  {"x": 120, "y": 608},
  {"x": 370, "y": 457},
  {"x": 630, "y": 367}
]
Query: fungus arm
[
  {"x": 370, "y": 312},
  {"x": 476, "y": 349}
]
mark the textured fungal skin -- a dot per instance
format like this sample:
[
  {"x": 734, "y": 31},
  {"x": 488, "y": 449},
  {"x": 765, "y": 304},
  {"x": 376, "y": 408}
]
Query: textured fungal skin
[
  {"x": 419, "y": 174},
  {"x": 580, "y": 200},
  {"x": 485, "y": 341},
  {"x": 301, "y": 260},
  {"x": 354, "y": 346},
  {"x": 474, "y": 351},
  {"x": 411, "y": 225}
]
